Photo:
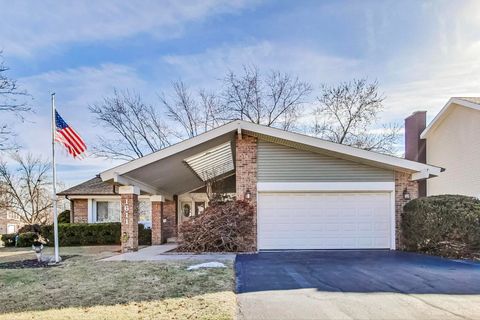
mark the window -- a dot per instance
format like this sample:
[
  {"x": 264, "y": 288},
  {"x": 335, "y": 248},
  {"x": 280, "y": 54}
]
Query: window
[
  {"x": 12, "y": 216},
  {"x": 199, "y": 208},
  {"x": 108, "y": 211},
  {"x": 11, "y": 228},
  {"x": 145, "y": 213}
]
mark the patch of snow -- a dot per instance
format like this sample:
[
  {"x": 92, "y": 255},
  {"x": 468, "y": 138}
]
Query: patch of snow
[{"x": 206, "y": 265}]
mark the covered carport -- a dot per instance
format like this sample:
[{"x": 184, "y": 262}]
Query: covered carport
[{"x": 180, "y": 168}]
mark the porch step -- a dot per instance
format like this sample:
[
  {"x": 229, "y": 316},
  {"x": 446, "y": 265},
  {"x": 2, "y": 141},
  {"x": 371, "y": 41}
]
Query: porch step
[{"x": 172, "y": 240}]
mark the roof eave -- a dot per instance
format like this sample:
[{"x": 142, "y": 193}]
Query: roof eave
[
  {"x": 234, "y": 126},
  {"x": 163, "y": 153},
  {"x": 441, "y": 115}
]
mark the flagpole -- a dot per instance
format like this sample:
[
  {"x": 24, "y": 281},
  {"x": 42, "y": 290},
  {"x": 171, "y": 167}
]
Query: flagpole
[{"x": 54, "y": 174}]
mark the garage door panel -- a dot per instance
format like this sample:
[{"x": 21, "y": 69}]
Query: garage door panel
[{"x": 323, "y": 220}]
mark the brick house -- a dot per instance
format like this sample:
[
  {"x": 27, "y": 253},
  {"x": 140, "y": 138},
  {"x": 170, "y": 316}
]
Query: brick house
[
  {"x": 308, "y": 193},
  {"x": 9, "y": 222}
]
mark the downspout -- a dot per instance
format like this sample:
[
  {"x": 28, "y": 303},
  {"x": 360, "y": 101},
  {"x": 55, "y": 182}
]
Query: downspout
[
  {"x": 71, "y": 208},
  {"x": 175, "y": 198}
]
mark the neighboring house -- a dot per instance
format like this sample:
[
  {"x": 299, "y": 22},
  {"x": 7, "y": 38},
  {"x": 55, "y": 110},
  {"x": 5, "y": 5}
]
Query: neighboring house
[
  {"x": 307, "y": 193},
  {"x": 451, "y": 141},
  {"x": 9, "y": 222}
]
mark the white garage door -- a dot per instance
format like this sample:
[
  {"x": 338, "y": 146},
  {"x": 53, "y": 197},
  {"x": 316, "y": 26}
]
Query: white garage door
[{"x": 323, "y": 220}]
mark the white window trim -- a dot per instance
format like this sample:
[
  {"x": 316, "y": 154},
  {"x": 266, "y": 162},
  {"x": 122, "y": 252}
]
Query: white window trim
[
  {"x": 14, "y": 228},
  {"x": 337, "y": 187},
  {"x": 106, "y": 197},
  {"x": 92, "y": 205},
  {"x": 191, "y": 198}
]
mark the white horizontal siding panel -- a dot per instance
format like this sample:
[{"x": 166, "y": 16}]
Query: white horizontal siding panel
[{"x": 281, "y": 163}]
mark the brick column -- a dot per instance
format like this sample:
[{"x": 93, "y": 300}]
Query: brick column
[
  {"x": 157, "y": 203},
  {"x": 169, "y": 220},
  {"x": 129, "y": 205},
  {"x": 246, "y": 175},
  {"x": 402, "y": 182}
]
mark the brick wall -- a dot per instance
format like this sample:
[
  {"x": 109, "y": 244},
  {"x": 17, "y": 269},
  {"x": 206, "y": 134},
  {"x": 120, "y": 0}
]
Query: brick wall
[
  {"x": 129, "y": 237},
  {"x": 246, "y": 175},
  {"x": 401, "y": 182},
  {"x": 169, "y": 221},
  {"x": 4, "y": 222},
  {"x": 80, "y": 210},
  {"x": 156, "y": 222}
]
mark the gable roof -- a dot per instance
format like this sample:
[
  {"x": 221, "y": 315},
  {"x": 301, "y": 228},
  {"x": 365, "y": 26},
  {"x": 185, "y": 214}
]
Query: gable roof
[
  {"x": 93, "y": 186},
  {"x": 421, "y": 170},
  {"x": 471, "y": 99},
  {"x": 467, "y": 102}
]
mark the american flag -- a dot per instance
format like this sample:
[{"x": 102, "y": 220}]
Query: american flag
[{"x": 69, "y": 138}]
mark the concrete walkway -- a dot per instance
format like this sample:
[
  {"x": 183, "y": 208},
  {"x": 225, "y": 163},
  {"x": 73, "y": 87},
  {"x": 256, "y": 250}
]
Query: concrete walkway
[{"x": 161, "y": 253}]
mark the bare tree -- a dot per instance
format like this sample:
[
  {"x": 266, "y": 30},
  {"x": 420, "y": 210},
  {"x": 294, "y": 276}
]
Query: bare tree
[
  {"x": 10, "y": 101},
  {"x": 136, "y": 127},
  {"x": 349, "y": 113},
  {"x": 211, "y": 106},
  {"x": 272, "y": 100},
  {"x": 194, "y": 114},
  {"x": 26, "y": 189}
]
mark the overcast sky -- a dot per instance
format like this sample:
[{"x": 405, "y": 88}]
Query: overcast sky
[{"x": 421, "y": 52}]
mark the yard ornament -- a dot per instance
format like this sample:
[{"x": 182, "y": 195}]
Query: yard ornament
[{"x": 41, "y": 258}]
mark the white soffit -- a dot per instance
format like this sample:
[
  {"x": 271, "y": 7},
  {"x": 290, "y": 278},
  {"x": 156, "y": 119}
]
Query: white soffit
[{"x": 213, "y": 162}]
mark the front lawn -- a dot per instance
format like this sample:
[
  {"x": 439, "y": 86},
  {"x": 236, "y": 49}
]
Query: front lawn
[{"x": 84, "y": 288}]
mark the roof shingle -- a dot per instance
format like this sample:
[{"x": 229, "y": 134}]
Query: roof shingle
[{"x": 93, "y": 186}]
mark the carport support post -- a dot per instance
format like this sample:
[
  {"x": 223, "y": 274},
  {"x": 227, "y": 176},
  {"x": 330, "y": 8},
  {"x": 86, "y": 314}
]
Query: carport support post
[
  {"x": 129, "y": 205},
  {"x": 157, "y": 204}
]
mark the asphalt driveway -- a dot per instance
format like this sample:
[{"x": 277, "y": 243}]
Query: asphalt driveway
[{"x": 356, "y": 285}]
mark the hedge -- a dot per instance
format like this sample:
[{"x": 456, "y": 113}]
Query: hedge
[
  {"x": 446, "y": 225},
  {"x": 84, "y": 234},
  {"x": 25, "y": 239},
  {"x": 80, "y": 234},
  {"x": 144, "y": 235},
  {"x": 8, "y": 240},
  {"x": 64, "y": 217}
]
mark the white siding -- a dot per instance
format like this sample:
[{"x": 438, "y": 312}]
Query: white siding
[
  {"x": 278, "y": 163},
  {"x": 455, "y": 146}
]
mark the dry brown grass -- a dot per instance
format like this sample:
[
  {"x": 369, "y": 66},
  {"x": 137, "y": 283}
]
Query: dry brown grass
[
  {"x": 84, "y": 287},
  {"x": 220, "y": 305}
]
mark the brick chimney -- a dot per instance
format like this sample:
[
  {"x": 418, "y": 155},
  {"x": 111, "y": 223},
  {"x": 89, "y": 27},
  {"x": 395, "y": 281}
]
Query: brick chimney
[{"x": 416, "y": 148}]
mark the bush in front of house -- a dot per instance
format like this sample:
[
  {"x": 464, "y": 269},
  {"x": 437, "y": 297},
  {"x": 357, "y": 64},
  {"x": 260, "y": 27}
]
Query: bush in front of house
[
  {"x": 30, "y": 228},
  {"x": 64, "y": 216},
  {"x": 79, "y": 234},
  {"x": 222, "y": 227},
  {"x": 87, "y": 234},
  {"x": 84, "y": 234},
  {"x": 144, "y": 235},
  {"x": 25, "y": 239},
  {"x": 446, "y": 225},
  {"x": 8, "y": 240}
]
